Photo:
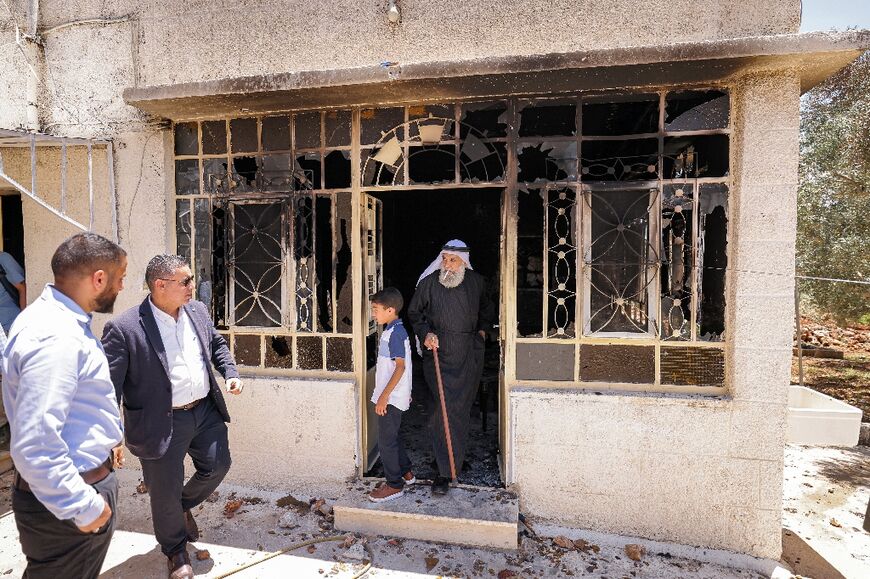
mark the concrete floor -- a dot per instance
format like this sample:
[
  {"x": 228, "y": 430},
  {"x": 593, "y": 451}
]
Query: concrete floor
[{"x": 821, "y": 484}]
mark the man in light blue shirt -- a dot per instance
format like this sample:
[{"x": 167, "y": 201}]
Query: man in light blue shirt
[
  {"x": 13, "y": 291},
  {"x": 63, "y": 413}
]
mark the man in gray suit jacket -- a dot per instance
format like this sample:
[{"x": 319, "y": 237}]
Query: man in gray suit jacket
[{"x": 160, "y": 356}]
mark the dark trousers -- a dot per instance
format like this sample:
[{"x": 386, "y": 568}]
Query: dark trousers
[
  {"x": 201, "y": 433},
  {"x": 867, "y": 518},
  {"x": 56, "y": 548},
  {"x": 393, "y": 457}
]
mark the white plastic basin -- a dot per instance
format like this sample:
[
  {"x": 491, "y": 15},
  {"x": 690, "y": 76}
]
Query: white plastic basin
[{"x": 817, "y": 419}]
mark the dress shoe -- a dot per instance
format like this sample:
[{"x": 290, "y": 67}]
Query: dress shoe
[
  {"x": 179, "y": 566},
  {"x": 440, "y": 485},
  {"x": 190, "y": 525}
]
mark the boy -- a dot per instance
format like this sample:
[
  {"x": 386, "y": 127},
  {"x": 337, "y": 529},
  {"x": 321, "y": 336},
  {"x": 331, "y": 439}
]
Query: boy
[{"x": 392, "y": 394}]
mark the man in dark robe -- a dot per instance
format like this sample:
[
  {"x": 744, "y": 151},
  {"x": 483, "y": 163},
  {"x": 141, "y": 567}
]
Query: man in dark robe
[{"x": 451, "y": 313}]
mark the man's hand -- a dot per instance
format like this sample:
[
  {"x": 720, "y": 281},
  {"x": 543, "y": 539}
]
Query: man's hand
[
  {"x": 118, "y": 459},
  {"x": 234, "y": 386},
  {"x": 99, "y": 521},
  {"x": 381, "y": 406},
  {"x": 431, "y": 341}
]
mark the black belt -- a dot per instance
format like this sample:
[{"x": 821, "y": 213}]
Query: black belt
[
  {"x": 189, "y": 405},
  {"x": 91, "y": 477}
]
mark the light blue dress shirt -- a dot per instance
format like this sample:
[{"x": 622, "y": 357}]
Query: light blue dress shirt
[
  {"x": 61, "y": 404},
  {"x": 8, "y": 307}
]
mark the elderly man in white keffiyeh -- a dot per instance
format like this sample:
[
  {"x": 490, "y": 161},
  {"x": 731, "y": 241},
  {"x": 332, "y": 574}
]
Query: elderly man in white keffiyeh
[{"x": 450, "y": 312}]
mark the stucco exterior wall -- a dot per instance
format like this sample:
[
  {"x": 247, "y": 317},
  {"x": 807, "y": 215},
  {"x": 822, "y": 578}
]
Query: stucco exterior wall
[{"x": 700, "y": 471}]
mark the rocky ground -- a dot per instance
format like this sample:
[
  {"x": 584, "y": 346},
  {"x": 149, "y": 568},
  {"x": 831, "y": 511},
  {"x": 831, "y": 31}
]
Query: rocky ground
[
  {"x": 241, "y": 526},
  {"x": 846, "y": 379}
]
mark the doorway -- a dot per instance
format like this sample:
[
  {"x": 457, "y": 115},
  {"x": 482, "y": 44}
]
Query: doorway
[{"x": 415, "y": 225}]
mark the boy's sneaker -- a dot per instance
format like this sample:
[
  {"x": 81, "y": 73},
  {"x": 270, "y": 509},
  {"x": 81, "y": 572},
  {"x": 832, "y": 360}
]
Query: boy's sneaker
[
  {"x": 385, "y": 493},
  {"x": 409, "y": 478}
]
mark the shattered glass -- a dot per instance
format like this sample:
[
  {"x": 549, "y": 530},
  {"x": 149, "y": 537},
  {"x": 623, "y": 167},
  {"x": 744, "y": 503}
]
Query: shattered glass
[
  {"x": 276, "y": 173},
  {"x": 343, "y": 263},
  {"x": 482, "y": 162},
  {"x": 547, "y": 161},
  {"x": 214, "y": 137},
  {"x": 614, "y": 116},
  {"x": 677, "y": 222},
  {"x": 488, "y": 119},
  {"x": 375, "y": 123},
  {"x": 279, "y": 353},
  {"x": 182, "y": 228},
  {"x": 304, "y": 261},
  {"x": 548, "y": 118},
  {"x": 336, "y": 169},
  {"x": 276, "y": 134},
  {"x": 713, "y": 260},
  {"x": 203, "y": 251},
  {"x": 695, "y": 156},
  {"x": 324, "y": 262},
  {"x": 186, "y": 139},
  {"x": 219, "y": 264},
  {"x": 696, "y": 110},
  {"x": 215, "y": 176},
  {"x": 245, "y": 171},
  {"x": 187, "y": 177},
  {"x": 308, "y": 171},
  {"x": 247, "y": 350},
  {"x": 243, "y": 135}
]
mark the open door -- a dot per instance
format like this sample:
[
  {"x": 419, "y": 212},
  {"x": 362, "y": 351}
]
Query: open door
[{"x": 373, "y": 274}]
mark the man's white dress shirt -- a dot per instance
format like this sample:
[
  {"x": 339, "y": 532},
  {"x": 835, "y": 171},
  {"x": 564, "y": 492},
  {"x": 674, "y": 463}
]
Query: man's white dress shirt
[{"x": 183, "y": 356}]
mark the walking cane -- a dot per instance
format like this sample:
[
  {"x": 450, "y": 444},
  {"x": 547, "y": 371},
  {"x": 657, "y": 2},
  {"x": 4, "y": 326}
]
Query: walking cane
[{"x": 444, "y": 415}]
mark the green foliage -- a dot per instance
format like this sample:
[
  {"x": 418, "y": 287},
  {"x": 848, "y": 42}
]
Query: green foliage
[{"x": 833, "y": 237}]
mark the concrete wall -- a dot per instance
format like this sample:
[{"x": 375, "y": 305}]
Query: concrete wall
[{"x": 692, "y": 470}]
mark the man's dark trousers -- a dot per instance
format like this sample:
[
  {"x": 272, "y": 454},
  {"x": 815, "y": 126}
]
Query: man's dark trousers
[
  {"x": 201, "y": 433},
  {"x": 56, "y": 548},
  {"x": 393, "y": 457}
]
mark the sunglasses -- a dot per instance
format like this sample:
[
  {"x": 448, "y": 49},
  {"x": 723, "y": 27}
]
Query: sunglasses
[{"x": 185, "y": 282}]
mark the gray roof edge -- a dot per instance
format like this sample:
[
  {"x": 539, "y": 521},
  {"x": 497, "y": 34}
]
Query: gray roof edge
[{"x": 755, "y": 46}]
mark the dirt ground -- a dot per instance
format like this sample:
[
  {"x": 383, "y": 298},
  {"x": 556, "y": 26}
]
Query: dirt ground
[
  {"x": 259, "y": 526},
  {"x": 847, "y": 379}
]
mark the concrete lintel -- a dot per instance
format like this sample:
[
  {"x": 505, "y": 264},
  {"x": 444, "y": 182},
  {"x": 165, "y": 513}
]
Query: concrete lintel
[{"x": 816, "y": 55}]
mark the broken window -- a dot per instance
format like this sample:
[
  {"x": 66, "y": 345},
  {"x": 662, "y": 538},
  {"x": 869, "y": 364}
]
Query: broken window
[
  {"x": 489, "y": 120},
  {"x": 677, "y": 267},
  {"x": 187, "y": 177},
  {"x": 530, "y": 263},
  {"x": 620, "y": 261},
  {"x": 713, "y": 260},
  {"x": 561, "y": 259},
  {"x": 548, "y": 118},
  {"x": 278, "y": 256},
  {"x": 622, "y": 160},
  {"x": 547, "y": 161},
  {"x": 617, "y": 116},
  {"x": 696, "y": 110},
  {"x": 182, "y": 228},
  {"x": 696, "y": 156}
]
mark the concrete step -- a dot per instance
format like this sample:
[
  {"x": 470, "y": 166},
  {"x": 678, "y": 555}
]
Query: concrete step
[{"x": 476, "y": 516}]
